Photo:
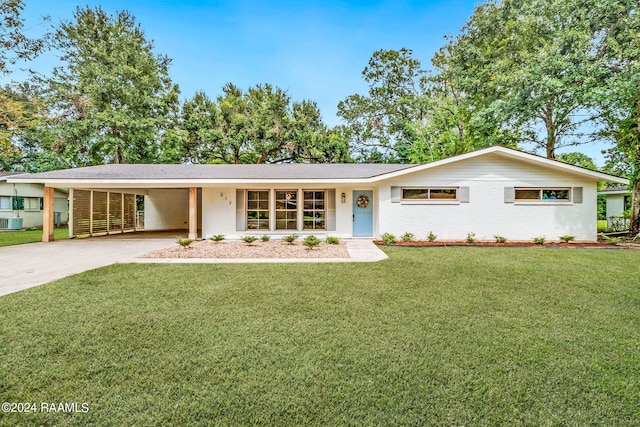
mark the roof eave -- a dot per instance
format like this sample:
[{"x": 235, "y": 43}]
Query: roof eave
[{"x": 183, "y": 183}]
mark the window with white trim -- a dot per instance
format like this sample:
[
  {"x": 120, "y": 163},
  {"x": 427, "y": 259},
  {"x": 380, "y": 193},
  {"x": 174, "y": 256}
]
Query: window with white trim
[
  {"x": 5, "y": 202},
  {"x": 286, "y": 210},
  {"x": 257, "y": 209},
  {"x": 429, "y": 193},
  {"x": 314, "y": 212},
  {"x": 32, "y": 203},
  {"x": 546, "y": 194}
]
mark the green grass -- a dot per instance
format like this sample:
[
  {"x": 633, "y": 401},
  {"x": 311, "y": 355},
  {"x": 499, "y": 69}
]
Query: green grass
[
  {"x": 602, "y": 225},
  {"x": 437, "y": 336},
  {"x": 9, "y": 238}
]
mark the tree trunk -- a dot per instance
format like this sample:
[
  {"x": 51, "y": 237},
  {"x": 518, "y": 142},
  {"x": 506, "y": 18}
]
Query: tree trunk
[
  {"x": 634, "y": 227},
  {"x": 551, "y": 135}
]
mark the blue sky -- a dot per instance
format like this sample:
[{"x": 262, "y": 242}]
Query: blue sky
[{"x": 313, "y": 49}]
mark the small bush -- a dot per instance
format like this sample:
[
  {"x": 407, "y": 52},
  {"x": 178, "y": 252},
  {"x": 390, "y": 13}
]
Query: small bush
[
  {"x": 539, "y": 240},
  {"x": 602, "y": 225},
  {"x": 500, "y": 239},
  {"x": 311, "y": 241},
  {"x": 249, "y": 239},
  {"x": 217, "y": 238},
  {"x": 407, "y": 237},
  {"x": 567, "y": 238},
  {"x": 612, "y": 240},
  {"x": 332, "y": 240},
  {"x": 471, "y": 237},
  {"x": 184, "y": 242},
  {"x": 265, "y": 238},
  {"x": 431, "y": 237},
  {"x": 388, "y": 238},
  {"x": 290, "y": 239}
]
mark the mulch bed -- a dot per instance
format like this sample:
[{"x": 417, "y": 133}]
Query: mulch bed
[
  {"x": 514, "y": 244},
  {"x": 236, "y": 249}
]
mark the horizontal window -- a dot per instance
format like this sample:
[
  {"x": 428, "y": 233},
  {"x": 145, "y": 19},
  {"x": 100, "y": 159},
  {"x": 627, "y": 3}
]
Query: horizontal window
[
  {"x": 32, "y": 204},
  {"x": 428, "y": 193},
  {"x": 543, "y": 194}
]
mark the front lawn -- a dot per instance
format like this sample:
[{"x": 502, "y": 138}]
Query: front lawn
[
  {"x": 8, "y": 238},
  {"x": 438, "y": 336}
]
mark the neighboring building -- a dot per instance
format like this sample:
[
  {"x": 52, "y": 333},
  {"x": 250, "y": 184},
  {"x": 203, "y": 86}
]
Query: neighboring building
[
  {"x": 618, "y": 201},
  {"x": 494, "y": 191},
  {"x": 24, "y": 200}
]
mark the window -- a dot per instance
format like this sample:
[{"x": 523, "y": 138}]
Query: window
[
  {"x": 32, "y": 203},
  {"x": 429, "y": 193},
  {"x": 314, "y": 210},
  {"x": 627, "y": 203},
  {"x": 286, "y": 210},
  {"x": 5, "y": 202},
  {"x": 258, "y": 210},
  {"x": 544, "y": 194}
]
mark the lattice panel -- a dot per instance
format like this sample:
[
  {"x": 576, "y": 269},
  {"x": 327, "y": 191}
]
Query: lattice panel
[
  {"x": 129, "y": 212},
  {"x": 115, "y": 212},
  {"x": 99, "y": 219},
  {"x": 81, "y": 212}
]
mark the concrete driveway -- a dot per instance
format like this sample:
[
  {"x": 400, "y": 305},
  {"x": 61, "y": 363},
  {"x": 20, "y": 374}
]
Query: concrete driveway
[{"x": 33, "y": 264}]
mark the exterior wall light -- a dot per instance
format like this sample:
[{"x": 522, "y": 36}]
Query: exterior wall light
[{"x": 343, "y": 198}]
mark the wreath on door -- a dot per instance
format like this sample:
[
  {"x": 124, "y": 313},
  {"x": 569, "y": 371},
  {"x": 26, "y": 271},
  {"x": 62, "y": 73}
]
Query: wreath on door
[{"x": 363, "y": 201}]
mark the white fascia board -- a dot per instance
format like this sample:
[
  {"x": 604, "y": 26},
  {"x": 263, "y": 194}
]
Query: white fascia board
[
  {"x": 623, "y": 192},
  {"x": 530, "y": 158}
]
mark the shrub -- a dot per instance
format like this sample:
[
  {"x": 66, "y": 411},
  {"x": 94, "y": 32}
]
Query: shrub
[
  {"x": 265, "y": 238},
  {"x": 290, "y": 238},
  {"x": 217, "y": 238},
  {"x": 500, "y": 239},
  {"x": 388, "y": 238},
  {"x": 332, "y": 240},
  {"x": 311, "y": 241},
  {"x": 612, "y": 240},
  {"x": 539, "y": 240},
  {"x": 431, "y": 237},
  {"x": 567, "y": 238},
  {"x": 471, "y": 237},
  {"x": 249, "y": 239},
  {"x": 407, "y": 237},
  {"x": 184, "y": 242}
]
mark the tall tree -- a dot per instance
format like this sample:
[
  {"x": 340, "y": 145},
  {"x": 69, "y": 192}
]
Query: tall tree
[
  {"x": 410, "y": 115},
  {"x": 261, "y": 125},
  {"x": 18, "y": 106},
  {"x": 16, "y": 45},
  {"x": 21, "y": 109},
  {"x": 616, "y": 29},
  {"x": 526, "y": 64},
  {"x": 113, "y": 95},
  {"x": 380, "y": 121}
]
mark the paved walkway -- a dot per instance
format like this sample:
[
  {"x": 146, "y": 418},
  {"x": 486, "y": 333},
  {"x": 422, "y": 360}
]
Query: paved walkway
[{"x": 33, "y": 264}]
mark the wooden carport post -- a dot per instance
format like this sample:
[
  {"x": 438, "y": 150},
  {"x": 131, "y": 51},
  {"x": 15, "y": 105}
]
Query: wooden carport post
[
  {"x": 47, "y": 215},
  {"x": 193, "y": 213}
]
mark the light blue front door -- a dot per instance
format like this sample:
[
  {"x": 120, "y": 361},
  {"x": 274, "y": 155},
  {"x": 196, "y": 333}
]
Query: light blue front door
[{"x": 363, "y": 213}]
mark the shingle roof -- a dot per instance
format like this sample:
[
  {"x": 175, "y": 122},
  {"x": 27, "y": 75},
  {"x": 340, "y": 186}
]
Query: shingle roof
[
  {"x": 622, "y": 188},
  {"x": 262, "y": 171},
  {"x": 5, "y": 174}
]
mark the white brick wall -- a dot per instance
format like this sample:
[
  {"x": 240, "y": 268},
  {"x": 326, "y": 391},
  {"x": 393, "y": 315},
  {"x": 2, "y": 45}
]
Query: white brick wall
[{"x": 487, "y": 214}]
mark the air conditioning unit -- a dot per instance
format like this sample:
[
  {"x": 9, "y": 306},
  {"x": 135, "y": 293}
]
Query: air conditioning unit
[{"x": 10, "y": 223}]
